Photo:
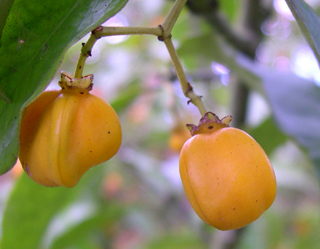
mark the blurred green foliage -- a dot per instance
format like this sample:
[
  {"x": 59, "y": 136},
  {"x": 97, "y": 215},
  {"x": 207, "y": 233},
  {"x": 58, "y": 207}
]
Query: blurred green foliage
[{"x": 136, "y": 200}]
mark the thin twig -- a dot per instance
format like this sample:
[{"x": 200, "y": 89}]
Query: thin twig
[
  {"x": 110, "y": 31},
  {"x": 163, "y": 32},
  {"x": 85, "y": 53},
  {"x": 172, "y": 17},
  {"x": 186, "y": 87}
]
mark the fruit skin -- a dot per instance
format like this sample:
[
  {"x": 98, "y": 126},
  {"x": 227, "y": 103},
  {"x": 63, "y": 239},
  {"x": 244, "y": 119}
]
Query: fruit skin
[
  {"x": 64, "y": 133},
  {"x": 227, "y": 177}
]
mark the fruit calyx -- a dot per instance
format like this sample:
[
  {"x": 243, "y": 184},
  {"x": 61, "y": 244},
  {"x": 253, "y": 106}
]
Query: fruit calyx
[
  {"x": 209, "y": 123},
  {"x": 81, "y": 85}
]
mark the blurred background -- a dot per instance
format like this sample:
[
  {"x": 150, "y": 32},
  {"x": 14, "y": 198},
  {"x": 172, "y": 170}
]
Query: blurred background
[{"x": 136, "y": 200}]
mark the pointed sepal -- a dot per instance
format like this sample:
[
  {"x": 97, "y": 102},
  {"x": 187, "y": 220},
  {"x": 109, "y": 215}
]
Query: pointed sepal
[{"x": 209, "y": 123}]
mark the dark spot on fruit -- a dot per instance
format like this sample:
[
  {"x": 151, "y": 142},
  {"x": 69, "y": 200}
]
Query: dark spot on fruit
[
  {"x": 234, "y": 208},
  {"x": 81, "y": 92},
  {"x": 108, "y": 132},
  {"x": 27, "y": 169},
  {"x": 210, "y": 127}
]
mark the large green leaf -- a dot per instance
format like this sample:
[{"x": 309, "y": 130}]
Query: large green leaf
[
  {"x": 309, "y": 23},
  {"x": 295, "y": 104},
  {"x": 29, "y": 211},
  {"x": 32, "y": 207},
  {"x": 296, "y": 107},
  {"x": 262, "y": 135},
  {"x": 5, "y": 6},
  {"x": 87, "y": 233},
  {"x": 35, "y": 37}
]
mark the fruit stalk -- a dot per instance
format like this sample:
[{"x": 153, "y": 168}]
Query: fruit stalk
[
  {"x": 85, "y": 53},
  {"x": 101, "y": 31},
  {"x": 186, "y": 87},
  {"x": 163, "y": 32}
]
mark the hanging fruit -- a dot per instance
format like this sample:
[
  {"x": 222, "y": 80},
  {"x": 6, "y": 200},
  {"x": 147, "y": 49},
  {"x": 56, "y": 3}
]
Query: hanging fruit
[
  {"x": 64, "y": 133},
  {"x": 227, "y": 177}
]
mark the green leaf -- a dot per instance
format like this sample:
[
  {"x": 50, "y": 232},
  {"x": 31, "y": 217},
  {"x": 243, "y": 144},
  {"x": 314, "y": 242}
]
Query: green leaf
[
  {"x": 5, "y": 6},
  {"x": 295, "y": 104},
  {"x": 309, "y": 23},
  {"x": 208, "y": 48},
  {"x": 31, "y": 207},
  {"x": 86, "y": 234},
  {"x": 35, "y": 38},
  {"x": 29, "y": 210},
  {"x": 127, "y": 96},
  {"x": 175, "y": 241},
  {"x": 230, "y": 8},
  {"x": 268, "y": 135}
]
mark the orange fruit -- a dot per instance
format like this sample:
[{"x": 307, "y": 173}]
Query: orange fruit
[
  {"x": 64, "y": 133},
  {"x": 227, "y": 177}
]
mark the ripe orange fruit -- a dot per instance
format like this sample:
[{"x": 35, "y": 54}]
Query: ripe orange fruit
[
  {"x": 227, "y": 177},
  {"x": 64, "y": 133}
]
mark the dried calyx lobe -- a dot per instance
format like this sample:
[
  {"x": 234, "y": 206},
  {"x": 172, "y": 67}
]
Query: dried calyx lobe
[
  {"x": 209, "y": 123},
  {"x": 81, "y": 85}
]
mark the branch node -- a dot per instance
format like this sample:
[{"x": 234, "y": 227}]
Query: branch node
[
  {"x": 96, "y": 30},
  {"x": 161, "y": 27},
  {"x": 163, "y": 35},
  {"x": 190, "y": 88},
  {"x": 196, "y": 97},
  {"x": 160, "y": 37}
]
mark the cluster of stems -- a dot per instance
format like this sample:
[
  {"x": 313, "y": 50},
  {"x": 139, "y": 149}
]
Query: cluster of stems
[{"x": 163, "y": 32}]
